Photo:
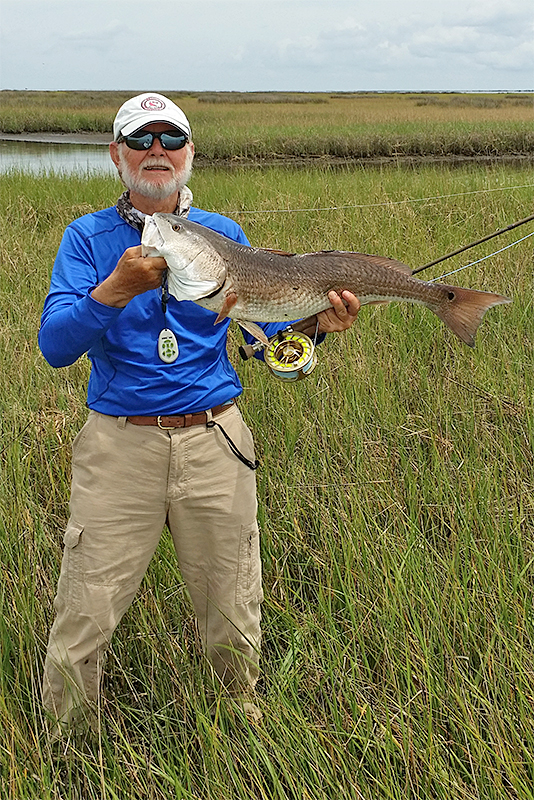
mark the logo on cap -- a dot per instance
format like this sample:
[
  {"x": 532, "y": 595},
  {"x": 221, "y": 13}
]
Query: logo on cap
[{"x": 152, "y": 104}]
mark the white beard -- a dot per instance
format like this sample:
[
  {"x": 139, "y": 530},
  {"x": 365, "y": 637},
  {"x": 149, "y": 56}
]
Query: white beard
[{"x": 168, "y": 183}]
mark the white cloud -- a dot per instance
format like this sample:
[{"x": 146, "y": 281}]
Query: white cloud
[
  {"x": 98, "y": 36},
  {"x": 506, "y": 17},
  {"x": 266, "y": 44},
  {"x": 494, "y": 37},
  {"x": 497, "y": 37},
  {"x": 518, "y": 59}
]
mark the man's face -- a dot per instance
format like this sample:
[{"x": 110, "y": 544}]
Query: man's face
[{"x": 155, "y": 173}]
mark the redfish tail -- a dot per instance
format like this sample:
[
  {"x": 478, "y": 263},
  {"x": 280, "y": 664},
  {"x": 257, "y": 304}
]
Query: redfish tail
[{"x": 464, "y": 309}]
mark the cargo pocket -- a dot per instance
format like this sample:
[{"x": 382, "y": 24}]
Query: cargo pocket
[
  {"x": 72, "y": 568},
  {"x": 248, "y": 587}
]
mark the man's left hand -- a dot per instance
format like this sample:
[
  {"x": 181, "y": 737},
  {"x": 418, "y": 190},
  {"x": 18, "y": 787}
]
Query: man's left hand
[{"x": 342, "y": 314}]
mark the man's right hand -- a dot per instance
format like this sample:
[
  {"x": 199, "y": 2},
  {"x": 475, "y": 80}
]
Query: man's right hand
[{"x": 133, "y": 275}]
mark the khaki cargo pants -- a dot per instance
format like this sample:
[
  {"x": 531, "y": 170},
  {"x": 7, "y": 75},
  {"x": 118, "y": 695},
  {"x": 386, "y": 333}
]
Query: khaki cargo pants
[{"x": 127, "y": 482}]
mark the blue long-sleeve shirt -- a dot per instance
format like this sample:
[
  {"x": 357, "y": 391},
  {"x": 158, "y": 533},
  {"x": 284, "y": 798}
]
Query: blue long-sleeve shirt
[{"x": 127, "y": 376}]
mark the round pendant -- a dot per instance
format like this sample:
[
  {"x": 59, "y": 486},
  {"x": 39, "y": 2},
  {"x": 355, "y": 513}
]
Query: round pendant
[{"x": 167, "y": 346}]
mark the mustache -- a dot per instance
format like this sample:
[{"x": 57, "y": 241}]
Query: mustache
[
  {"x": 155, "y": 161},
  {"x": 134, "y": 179}
]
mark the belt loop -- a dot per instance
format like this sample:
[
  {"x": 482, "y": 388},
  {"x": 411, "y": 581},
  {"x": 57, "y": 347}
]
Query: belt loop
[
  {"x": 188, "y": 420},
  {"x": 121, "y": 422},
  {"x": 209, "y": 415}
]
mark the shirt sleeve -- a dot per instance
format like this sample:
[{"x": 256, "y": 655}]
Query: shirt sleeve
[{"x": 72, "y": 321}]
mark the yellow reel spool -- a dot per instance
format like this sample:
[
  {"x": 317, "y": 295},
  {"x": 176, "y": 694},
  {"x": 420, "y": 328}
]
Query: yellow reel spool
[{"x": 291, "y": 355}]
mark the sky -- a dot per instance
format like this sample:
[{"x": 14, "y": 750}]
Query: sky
[{"x": 267, "y": 45}]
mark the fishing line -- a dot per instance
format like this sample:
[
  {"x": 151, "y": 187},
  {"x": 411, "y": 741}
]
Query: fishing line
[
  {"x": 474, "y": 244},
  {"x": 472, "y": 263},
  {"x": 378, "y": 205}
]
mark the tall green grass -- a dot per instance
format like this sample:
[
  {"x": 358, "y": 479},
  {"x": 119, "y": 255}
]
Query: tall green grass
[
  {"x": 304, "y": 125},
  {"x": 396, "y": 509}
]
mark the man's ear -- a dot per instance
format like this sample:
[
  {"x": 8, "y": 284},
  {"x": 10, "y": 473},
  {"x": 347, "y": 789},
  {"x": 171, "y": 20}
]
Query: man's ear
[{"x": 114, "y": 152}]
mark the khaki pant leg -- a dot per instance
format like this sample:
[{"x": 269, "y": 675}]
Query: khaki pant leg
[
  {"x": 119, "y": 481},
  {"x": 212, "y": 518}
]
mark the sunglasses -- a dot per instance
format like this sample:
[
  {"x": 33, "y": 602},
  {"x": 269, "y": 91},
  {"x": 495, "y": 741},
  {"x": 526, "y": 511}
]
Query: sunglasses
[{"x": 143, "y": 140}]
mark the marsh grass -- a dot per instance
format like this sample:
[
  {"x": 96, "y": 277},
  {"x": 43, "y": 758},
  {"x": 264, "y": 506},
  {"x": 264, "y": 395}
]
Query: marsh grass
[
  {"x": 396, "y": 508},
  {"x": 477, "y": 101},
  {"x": 254, "y": 126},
  {"x": 261, "y": 97}
]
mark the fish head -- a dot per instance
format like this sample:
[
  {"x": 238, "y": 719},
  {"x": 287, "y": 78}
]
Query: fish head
[{"x": 195, "y": 268}]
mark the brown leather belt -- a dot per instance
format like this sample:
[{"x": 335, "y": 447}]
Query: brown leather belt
[{"x": 179, "y": 420}]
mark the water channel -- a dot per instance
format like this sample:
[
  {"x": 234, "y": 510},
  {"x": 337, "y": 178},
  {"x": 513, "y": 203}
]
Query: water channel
[
  {"x": 80, "y": 154},
  {"x": 40, "y": 158}
]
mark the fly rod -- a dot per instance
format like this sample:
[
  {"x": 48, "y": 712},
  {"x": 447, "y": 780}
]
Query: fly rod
[{"x": 473, "y": 244}]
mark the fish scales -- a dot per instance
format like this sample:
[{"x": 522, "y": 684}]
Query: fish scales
[
  {"x": 254, "y": 284},
  {"x": 298, "y": 284}
]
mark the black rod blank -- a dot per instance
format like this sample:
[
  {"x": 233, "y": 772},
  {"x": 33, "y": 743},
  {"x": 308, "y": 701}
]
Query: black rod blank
[{"x": 473, "y": 244}]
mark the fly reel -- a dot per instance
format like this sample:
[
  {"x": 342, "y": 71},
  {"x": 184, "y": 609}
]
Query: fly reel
[{"x": 290, "y": 355}]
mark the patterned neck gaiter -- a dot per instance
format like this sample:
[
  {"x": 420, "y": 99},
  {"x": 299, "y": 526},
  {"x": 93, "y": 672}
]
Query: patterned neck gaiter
[{"x": 136, "y": 218}]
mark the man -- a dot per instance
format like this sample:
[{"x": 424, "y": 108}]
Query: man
[{"x": 146, "y": 455}]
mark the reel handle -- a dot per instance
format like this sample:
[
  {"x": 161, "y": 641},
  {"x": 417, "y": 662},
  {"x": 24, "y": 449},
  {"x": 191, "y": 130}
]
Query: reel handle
[{"x": 247, "y": 351}]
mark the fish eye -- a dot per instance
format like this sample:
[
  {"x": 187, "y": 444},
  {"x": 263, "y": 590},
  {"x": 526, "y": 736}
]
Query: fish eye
[{"x": 176, "y": 226}]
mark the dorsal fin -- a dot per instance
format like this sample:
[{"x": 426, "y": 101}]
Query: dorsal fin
[
  {"x": 380, "y": 261},
  {"x": 277, "y": 252}
]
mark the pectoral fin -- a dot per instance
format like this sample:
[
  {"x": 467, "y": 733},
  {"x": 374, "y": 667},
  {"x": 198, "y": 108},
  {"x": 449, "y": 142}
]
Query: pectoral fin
[{"x": 229, "y": 302}]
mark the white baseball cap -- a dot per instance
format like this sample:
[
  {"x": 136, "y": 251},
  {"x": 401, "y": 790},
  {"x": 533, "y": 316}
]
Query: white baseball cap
[{"x": 145, "y": 109}]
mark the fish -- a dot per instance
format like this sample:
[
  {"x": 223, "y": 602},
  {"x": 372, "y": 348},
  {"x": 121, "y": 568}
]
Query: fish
[{"x": 252, "y": 284}]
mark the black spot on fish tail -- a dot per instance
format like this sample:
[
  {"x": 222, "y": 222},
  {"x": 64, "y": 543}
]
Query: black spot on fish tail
[{"x": 465, "y": 309}]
